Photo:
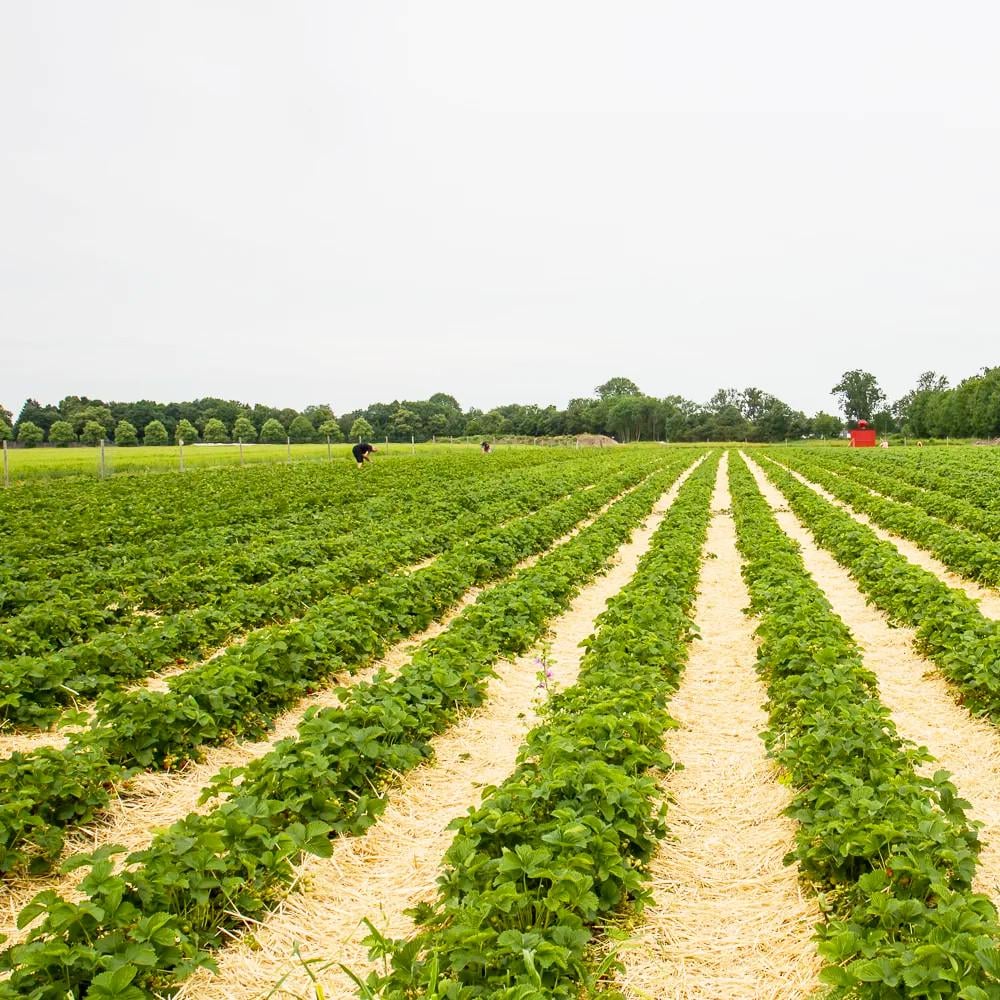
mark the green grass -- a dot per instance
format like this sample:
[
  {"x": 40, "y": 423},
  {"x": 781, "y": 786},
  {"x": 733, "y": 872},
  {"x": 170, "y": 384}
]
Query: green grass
[{"x": 29, "y": 464}]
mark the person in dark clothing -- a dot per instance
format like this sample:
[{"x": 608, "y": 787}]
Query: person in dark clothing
[
  {"x": 486, "y": 447},
  {"x": 361, "y": 451}
]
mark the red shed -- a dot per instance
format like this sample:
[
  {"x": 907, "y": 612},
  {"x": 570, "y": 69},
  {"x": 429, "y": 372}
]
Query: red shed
[{"x": 863, "y": 436}]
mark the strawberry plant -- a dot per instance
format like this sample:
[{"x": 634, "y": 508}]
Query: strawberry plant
[
  {"x": 889, "y": 848},
  {"x": 563, "y": 841},
  {"x": 209, "y": 873}
]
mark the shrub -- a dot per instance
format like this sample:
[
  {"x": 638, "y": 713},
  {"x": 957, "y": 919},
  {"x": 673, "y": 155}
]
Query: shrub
[
  {"x": 29, "y": 434},
  {"x": 92, "y": 432},
  {"x": 155, "y": 433},
  {"x": 125, "y": 434},
  {"x": 244, "y": 430},
  {"x": 61, "y": 434},
  {"x": 186, "y": 431},
  {"x": 272, "y": 432},
  {"x": 301, "y": 429},
  {"x": 331, "y": 429},
  {"x": 361, "y": 429},
  {"x": 215, "y": 431}
]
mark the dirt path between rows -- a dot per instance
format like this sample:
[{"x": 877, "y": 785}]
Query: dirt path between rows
[
  {"x": 729, "y": 918},
  {"x": 395, "y": 864},
  {"x": 987, "y": 598},
  {"x": 922, "y": 703},
  {"x": 155, "y": 799}
]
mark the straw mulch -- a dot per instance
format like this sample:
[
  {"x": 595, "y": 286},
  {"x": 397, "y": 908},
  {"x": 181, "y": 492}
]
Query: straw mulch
[
  {"x": 729, "y": 919},
  {"x": 395, "y": 864},
  {"x": 922, "y": 703},
  {"x": 155, "y": 799},
  {"x": 988, "y": 598}
]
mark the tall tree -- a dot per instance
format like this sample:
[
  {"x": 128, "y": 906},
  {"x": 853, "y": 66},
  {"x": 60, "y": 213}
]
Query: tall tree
[
  {"x": 618, "y": 387},
  {"x": 859, "y": 395}
]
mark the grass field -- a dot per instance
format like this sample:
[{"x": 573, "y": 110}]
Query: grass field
[
  {"x": 30, "y": 464},
  {"x": 41, "y": 463}
]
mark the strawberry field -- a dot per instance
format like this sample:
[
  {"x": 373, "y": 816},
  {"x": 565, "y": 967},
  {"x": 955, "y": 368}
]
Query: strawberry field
[{"x": 634, "y": 722}]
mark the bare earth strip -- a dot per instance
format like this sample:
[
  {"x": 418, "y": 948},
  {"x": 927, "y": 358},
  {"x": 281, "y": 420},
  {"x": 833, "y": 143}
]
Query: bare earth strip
[
  {"x": 154, "y": 800},
  {"x": 729, "y": 918},
  {"x": 921, "y": 702},
  {"x": 395, "y": 864},
  {"x": 987, "y": 597}
]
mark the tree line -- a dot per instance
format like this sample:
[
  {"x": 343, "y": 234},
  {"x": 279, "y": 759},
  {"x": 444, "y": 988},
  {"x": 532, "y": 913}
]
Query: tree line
[{"x": 618, "y": 409}]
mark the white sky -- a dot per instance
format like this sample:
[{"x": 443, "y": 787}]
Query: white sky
[{"x": 343, "y": 202}]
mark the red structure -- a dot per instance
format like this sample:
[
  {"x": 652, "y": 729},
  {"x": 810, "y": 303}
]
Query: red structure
[{"x": 863, "y": 436}]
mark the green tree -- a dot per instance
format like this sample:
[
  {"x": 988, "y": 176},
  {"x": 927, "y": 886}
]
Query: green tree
[
  {"x": 826, "y": 425},
  {"x": 859, "y": 394},
  {"x": 30, "y": 434},
  {"x": 61, "y": 434},
  {"x": 125, "y": 434},
  {"x": 33, "y": 412},
  {"x": 360, "y": 430},
  {"x": 93, "y": 433},
  {"x": 331, "y": 429},
  {"x": 272, "y": 432},
  {"x": 215, "y": 431},
  {"x": 155, "y": 433},
  {"x": 6, "y": 417},
  {"x": 437, "y": 423},
  {"x": 493, "y": 422},
  {"x": 618, "y": 387},
  {"x": 186, "y": 431},
  {"x": 301, "y": 430},
  {"x": 96, "y": 413},
  {"x": 244, "y": 430},
  {"x": 6, "y": 431},
  {"x": 404, "y": 423},
  {"x": 318, "y": 413}
]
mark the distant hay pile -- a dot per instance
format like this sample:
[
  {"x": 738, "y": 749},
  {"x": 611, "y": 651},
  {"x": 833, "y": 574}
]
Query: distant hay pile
[{"x": 595, "y": 440}]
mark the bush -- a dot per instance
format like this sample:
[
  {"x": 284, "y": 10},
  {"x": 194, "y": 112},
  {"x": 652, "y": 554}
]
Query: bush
[
  {"x": 215, "y": 431},
  {"x": 244, "y": 430},
  {"x": 361, "y": 429},
  {"x": 155, "y": 433},
  {"x": 61, "y": 434},
  {"x": 125, "y": 434},
  {"x": 331, "y": 429},
  {"x": 92, "y": 433},
  {"x": 6, "y": 432},
  {"x": 186, "y": 432},
  {"x": 30, "y": 435},
  {"x": 301, "y": 429},
  {"x": 272, "y": 432}
]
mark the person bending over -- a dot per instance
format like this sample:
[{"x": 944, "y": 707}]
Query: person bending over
[{"x": 361, "y": 452}]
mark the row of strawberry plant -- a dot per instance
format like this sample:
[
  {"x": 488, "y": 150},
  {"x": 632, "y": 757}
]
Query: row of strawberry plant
[
  {"x": 968, "y": 474},
  {"x": 967, "y": 553},
  {"x": 890, "y": 849},
  {"x": 59, "y": 605},
  {"x": 44, "y": 792},
  {"x": 57, "y": 519},
  {"x": 151, "y": 924},
  {"x": 949, "y": 627},
  {"x": 955, "y": 510},
  {"x": 37, "y": 688},
  {"x": 561, "y": 844}
]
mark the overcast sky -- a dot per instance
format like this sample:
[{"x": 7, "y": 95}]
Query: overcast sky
[{"x": 343, "y": 202}]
